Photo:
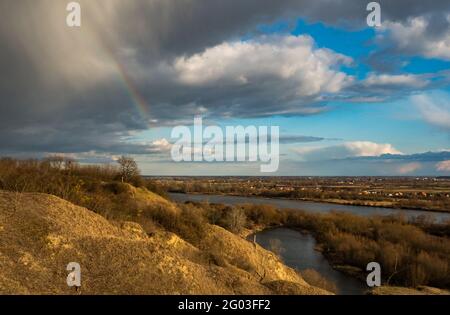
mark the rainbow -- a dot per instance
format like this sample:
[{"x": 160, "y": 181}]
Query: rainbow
[{"x": 139, "y": 102}]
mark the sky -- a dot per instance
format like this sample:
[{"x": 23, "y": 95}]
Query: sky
[{"x": 349, "y": 99}]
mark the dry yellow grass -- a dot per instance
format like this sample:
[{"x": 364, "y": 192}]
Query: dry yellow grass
[
  {"x": 40, "y": 234},
  {"x": 422, "y": 290}
]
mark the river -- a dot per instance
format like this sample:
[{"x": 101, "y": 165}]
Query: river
[
  {"x": 306, "y": 205},
  {"x": 298, "y": 252},
  {"x": 298, "y": 248}
]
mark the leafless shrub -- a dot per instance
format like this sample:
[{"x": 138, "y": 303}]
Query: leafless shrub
[
  {"x": 316, "y": 279},
  {"x": 276, "y": 247},
  {"x": 235, "y": 219}
]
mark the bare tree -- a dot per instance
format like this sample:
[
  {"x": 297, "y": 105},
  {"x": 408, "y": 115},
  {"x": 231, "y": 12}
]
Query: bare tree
[
  {"x": 70, "y": 164},
  {"x": 128, "y": 168},
  {"x": 276, "y": 247},
  {"x": 55, "y": 161},
  {"x": 235, "y": 219}
]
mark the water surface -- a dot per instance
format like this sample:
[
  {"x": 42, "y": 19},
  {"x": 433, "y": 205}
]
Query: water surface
[
  {"x": 299, "y": 253},
  {"x": 306, "y": 205}
]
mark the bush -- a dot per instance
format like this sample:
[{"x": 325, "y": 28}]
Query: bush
[
  {"x": 314, "y": 278},
  {"x": 276, "y": 247},
  {"x": 189, "y": 224},
  {"x": 234, "y": 220},
  {"x": 117, "y": 188},
  {"x": 154, "y": 187}
]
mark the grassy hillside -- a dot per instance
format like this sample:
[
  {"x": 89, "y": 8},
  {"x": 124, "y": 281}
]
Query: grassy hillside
[{"x": 40, "y": 234}]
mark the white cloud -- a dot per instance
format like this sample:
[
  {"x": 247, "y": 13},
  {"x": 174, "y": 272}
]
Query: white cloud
[
  {"x": 408, "y": 80},
  {"x": 409, "y": 168},
  {"x": 413, "y": 37},
  {"x": 443, "y": 166},
  {"x": 435, "y": 111},
  {"x": 346, "y": 150},
  {"x": 367, "y": 148},
  {"x": 292, "y": 60},
  {"x": 161, "y": 145}
]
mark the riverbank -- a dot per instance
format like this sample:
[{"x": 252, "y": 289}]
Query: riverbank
[
  {"x": 356, "y": 203},
  {"x": 377, "y": 204},
  {"x": 299, "y": 251},
  {"x": 411, "y": 253},
  {"x": 313, "y": 207},
  {"x": 352, "y": 271},
  {"x": 251, "y": 234}
]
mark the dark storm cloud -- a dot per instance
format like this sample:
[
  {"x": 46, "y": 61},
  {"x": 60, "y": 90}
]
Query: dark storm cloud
[
  {"x": 52, "y": 95},
  {"x": 190, "y": 26},
  {"x": 169, "y": 28},
  {"x": 64, "y": 90},
  {"x": 77, "y": 137}
]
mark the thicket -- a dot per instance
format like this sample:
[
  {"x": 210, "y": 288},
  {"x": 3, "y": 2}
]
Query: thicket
[
  {"x": 408, "y": 255},
  {"x": 100, "y": 188}
]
